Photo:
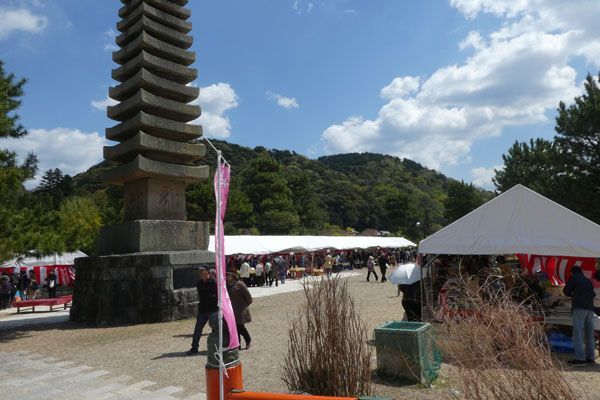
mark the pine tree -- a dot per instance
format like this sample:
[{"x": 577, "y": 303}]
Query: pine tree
[
  {"x": 462, "y": 199},
  {"x": 15, "y": 228},
  {"x": 11, "y": 91},
  {"x": 578, "y": 139},
  {"x": 271, "y": 197}
]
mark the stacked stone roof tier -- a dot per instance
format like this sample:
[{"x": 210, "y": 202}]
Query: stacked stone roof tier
[{"x": 154, "y": 110}]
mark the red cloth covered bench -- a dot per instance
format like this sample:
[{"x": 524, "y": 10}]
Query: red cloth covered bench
[{"x": 61, "y": 301}]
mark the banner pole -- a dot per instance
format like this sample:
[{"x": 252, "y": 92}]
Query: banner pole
[{"x": 219, "y": 266}]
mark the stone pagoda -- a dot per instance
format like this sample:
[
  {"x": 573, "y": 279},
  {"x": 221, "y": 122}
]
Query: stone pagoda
[{"x": 145, "y": 268}]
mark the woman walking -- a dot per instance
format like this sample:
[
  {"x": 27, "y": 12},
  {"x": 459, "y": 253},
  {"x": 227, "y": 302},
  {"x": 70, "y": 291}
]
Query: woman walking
[
  {"x": 240, "y": 300},
  {"x": 371, "y": 269}
]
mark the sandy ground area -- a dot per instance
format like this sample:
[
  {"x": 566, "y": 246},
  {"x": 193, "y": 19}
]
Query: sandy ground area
[{"x": 156, "y": 352}]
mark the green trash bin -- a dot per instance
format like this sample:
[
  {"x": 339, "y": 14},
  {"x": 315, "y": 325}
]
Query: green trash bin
[{"x": 407, "y": 350}]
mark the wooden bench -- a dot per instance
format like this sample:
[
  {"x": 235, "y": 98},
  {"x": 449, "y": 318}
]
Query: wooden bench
[{"x": 61, "y": 301}]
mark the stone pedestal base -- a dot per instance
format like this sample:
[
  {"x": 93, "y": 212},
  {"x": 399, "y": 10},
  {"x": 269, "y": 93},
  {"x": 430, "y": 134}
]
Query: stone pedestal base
[
  {"x": 137, "y": 288},
  {"x": 153, "y": 235}
]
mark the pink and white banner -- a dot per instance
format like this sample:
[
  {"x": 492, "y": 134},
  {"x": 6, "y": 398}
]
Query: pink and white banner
[
  {"x": 64, "y": 273},
  {"x": 558, "y": 268},
  {"x": 222, "y": 192}
]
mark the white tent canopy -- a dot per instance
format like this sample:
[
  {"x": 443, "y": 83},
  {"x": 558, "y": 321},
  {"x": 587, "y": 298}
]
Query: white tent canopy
[
  {"x": 280, "y": 244},
  {"x": 518, "y": 221},
  {"x": 56, "y": 259}
]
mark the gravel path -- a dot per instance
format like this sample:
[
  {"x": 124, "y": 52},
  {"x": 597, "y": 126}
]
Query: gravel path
[{"x": 155, "y": 352}]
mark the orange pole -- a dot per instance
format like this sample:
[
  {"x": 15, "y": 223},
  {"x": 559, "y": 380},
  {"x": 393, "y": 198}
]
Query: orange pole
[
  {"x": 237, "y": 395},
  {"x": 231, "y": 381}
]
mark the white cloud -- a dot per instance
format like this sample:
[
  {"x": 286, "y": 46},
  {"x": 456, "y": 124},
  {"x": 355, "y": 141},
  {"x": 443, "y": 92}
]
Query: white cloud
[
  {"x": 482, "y": 176},
  {"x": 473, "y": 40},
  {"x": 20, "y": 19},
  {"x": 103, "y": 104},
  {"x": 302, "y": 6},
  {"x": 283, "y": 101},
  {"x": 216, "y": 100},
  {"x": 350, "y": 11},
  {"x": 71, "y": 150},
  {"x": 510, "y": 8},
  {"x": 400, "y": 87},
  {"x": 109, "y": 37},
  {"x": 353, "y": 133},
  {"x": 514, "y": 77}
]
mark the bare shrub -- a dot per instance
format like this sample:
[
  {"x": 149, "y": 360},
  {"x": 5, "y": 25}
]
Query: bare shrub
[
  {"x": 328, "y": 353},
  {"x": 500, "y": 351}
]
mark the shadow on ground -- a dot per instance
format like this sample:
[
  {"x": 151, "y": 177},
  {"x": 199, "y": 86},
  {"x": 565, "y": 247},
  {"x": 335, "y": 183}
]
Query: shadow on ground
[
  {"x": 186, "y": 335},
  {"x": 180, "y": 354},
  {"x": 8, "y": 336},
  {"x": 18, "y": 332},
  {"x": 394, "y": 381}
]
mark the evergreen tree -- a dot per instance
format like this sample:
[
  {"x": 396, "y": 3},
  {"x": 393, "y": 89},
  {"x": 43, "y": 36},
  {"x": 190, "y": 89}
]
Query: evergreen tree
[
  {"x": 567, "y": 170},
  {"x": 270, "y": 196},
  {"x": 462, "y": 199},
  {"x": 11, "y": 91},
  {"x": 533, "y": 164},
  {"x": 307, "y": 203},
  {"x": 56, "y": 186},
  {"x": 578, "y": 139},
  {"x": 13, "y": 221}
]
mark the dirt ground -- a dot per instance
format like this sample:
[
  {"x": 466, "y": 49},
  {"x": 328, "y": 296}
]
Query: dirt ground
[{"x": 156, "y": 352}]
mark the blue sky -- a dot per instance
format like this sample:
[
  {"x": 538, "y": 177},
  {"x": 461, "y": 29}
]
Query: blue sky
[{"x": 449, "y": 83}]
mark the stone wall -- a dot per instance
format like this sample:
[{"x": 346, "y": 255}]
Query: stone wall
[{"x": 137, "y": 288}]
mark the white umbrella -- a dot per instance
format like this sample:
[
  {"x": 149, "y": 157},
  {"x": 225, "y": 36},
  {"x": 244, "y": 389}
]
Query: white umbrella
[{"x": 405, "y": 274}]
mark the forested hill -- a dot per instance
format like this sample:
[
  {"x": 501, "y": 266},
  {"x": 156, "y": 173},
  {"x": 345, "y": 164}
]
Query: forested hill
[{"x": 281, "y": 192}]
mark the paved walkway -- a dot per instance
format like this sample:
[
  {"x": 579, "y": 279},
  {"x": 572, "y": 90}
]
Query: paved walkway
[
  {"x": 9, "y": 319},
  {"x": 25, "y": 376},
  {"x": 292, "y": 285}
]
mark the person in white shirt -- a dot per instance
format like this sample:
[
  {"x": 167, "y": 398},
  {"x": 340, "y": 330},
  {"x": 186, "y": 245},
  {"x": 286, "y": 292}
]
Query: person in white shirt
[
  {"x": 245, "y": 273},
  {"x": 260, "y": 274}
]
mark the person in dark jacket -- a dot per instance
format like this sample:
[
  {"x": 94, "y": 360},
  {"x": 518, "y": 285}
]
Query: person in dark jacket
[
  {"x": 51, "y": 283},
  {"x": 274, "y": 274},
  {"x": 581, "y": 291},
  {"x": 24, "y": 285},
  {"x": 382, "y": 261},
  {"x": 240, "y": 300},
  {"x": 207, "y": 305},
  {"x": 411, "y": 301},
  {"x": 5, "y": 289}
]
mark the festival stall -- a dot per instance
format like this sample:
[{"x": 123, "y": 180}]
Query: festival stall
[
  {"x": 305, "y": 254},
  {"x": 63, "y": 264},
  {"x": 258, "y": 245},
  {"x": 522, "y": 241}
]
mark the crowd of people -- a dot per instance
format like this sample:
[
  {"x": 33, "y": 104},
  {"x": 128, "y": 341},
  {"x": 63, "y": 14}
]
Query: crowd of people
[
  {"x": 267, "y": 270},
  {"x": 24, "y": 286}
]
